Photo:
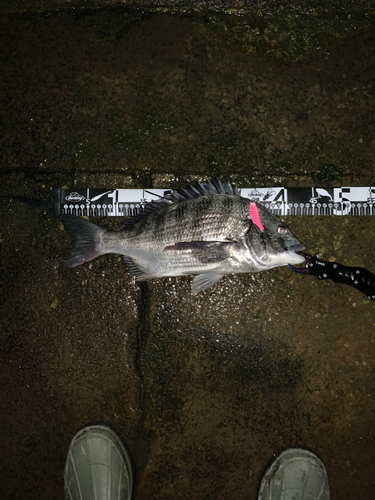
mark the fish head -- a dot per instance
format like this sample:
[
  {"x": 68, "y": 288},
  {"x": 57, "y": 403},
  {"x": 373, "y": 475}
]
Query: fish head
[{"x": 271, "y": 242}]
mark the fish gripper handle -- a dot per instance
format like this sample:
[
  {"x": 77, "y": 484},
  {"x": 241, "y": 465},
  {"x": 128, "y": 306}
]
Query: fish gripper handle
[{"x": 357, "y": 277}]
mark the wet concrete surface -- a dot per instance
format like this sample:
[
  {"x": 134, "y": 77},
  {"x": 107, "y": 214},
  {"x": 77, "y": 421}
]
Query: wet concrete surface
[
  {"x": 204, "y": 389},
  {"x": 175, "y": 6}
]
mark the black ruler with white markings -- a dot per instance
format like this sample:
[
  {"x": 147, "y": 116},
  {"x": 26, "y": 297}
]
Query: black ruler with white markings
[{"x": 280, "y": 201}]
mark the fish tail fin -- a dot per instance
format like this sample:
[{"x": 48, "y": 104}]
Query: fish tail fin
[{"x": 87, "y": 238}]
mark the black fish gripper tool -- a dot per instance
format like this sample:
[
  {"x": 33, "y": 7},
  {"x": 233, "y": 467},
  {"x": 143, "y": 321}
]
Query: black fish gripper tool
[{"x": 357, "y": 277}]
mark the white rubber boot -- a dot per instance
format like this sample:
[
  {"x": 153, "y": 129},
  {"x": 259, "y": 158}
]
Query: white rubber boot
[
  {"x": 97, "y": 466},
  {"x": 296, "y": 474}
]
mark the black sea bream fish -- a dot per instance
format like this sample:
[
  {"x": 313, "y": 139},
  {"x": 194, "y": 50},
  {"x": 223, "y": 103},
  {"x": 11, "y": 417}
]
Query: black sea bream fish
[{"x": 207, "y": 230}]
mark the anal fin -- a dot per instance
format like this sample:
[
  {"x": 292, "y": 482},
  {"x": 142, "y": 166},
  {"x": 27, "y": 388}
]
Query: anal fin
[{"x": 136, "y": 272}]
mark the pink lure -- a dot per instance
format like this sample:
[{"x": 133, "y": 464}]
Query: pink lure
[{"x": 254, "y": 213}]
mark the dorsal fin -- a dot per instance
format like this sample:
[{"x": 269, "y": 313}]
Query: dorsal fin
[
  {"x": 183, "y": 194},
  {"x": 210, "y": 188},
  {"x": 147, "y": 209},
  {"x": 207, "y": 189},
  {"x": 218, "y": 185},
  {"x": 202, "y": 189},
  {"x": 229, "y": 188}
]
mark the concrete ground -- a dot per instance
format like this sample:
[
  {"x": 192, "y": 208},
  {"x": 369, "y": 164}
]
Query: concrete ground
[{"x": 204, "y": 389}]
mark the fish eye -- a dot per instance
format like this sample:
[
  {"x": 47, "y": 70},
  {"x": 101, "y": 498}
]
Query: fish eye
[{"x": 282, "y": 230}]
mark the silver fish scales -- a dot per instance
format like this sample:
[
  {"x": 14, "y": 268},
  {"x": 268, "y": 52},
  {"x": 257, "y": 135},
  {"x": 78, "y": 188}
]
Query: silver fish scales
[{"x": 207, "y": 230}]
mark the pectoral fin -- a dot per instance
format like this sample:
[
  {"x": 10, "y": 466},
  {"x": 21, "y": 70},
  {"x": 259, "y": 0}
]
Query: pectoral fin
[
  {"x": 206, "y": 252},
  {"x": 203, "y": 281}
]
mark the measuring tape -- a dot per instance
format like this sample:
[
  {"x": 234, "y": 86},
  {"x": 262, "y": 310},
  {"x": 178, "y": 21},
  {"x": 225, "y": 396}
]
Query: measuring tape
[{"x": 278, "y": 200}]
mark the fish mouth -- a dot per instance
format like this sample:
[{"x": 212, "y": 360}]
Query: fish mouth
[
  {"x": 296, "y": 257},
  {"x": 297, "y": 248}
]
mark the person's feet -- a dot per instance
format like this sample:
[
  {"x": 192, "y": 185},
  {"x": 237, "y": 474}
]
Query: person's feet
[
  {"x": 295, "y": 474},
  {"x": 97, "y": 466}
]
